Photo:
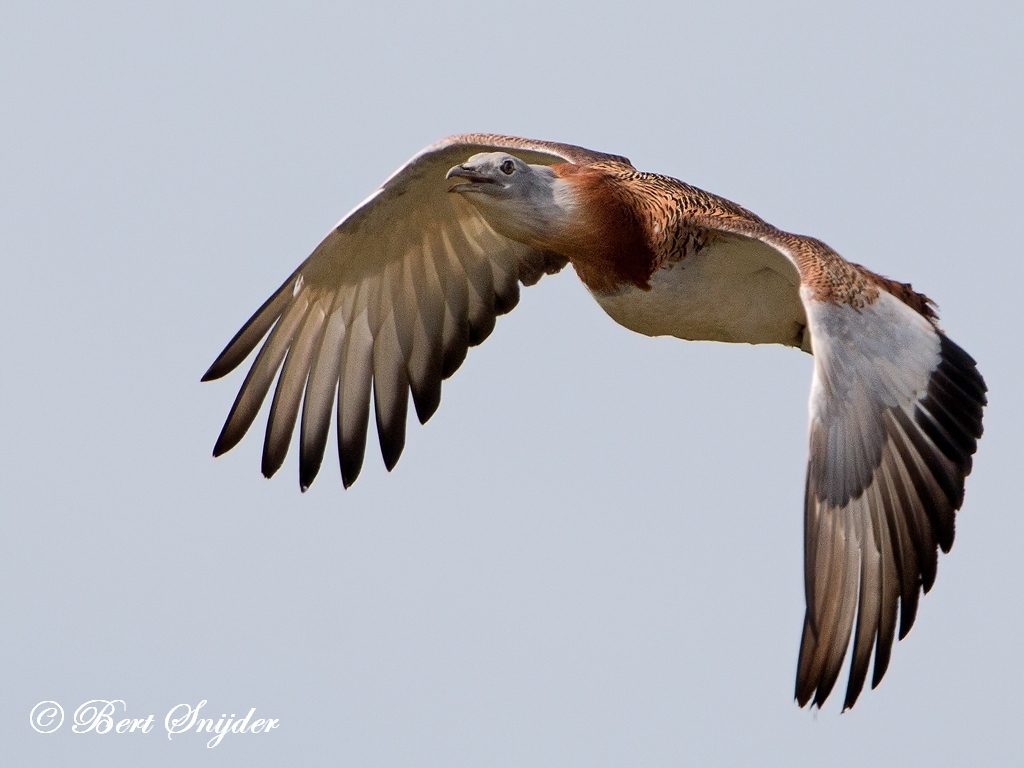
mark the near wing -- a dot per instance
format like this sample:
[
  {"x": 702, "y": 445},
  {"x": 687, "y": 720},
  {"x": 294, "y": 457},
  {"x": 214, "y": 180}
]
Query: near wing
[
  {"x": 895, "y": 416},
  {"x": 394, "y": 294},
  {"x": 896, "y": 411}
]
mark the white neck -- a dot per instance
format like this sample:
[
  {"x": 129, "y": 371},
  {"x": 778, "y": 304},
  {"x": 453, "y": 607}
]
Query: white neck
[{"x": 537, "y": 210}]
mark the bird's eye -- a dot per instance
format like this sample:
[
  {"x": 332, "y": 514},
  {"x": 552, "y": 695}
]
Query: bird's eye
[{"x": 507, "y": 167}]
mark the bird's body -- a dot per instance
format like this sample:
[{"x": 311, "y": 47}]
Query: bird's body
[
  {"x": 396, "y": 293},
  {"x": 726, "y": 290}
]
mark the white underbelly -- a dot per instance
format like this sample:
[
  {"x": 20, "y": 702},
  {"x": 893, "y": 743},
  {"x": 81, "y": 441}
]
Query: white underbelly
[{"x": 735, "y": 289}]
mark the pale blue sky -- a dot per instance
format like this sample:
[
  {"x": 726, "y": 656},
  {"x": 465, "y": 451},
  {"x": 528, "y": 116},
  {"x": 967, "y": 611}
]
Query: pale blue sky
[{"x": 592, "y": 554}]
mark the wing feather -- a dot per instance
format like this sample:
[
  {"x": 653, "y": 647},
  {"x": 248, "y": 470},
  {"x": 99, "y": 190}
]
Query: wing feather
[
  {"x": 480, "y": 282},
  {"x": 897, "y": 511},
  {"x": 354, "y": 390},
  {"x": 889, "y": 591},
  {"x": 390, "y": 391},
  {"x": 455, "y": 331},
  {"x": 427, "y": 356},
  {"x": 871, "y": 593},
  {"x": 839, "y": 632},
  {"x": 285, "y": 407},
  {"x": 257, "y": 382},
  {"x": 255, "y": 328},
  {"x": 319, "y": 398}
]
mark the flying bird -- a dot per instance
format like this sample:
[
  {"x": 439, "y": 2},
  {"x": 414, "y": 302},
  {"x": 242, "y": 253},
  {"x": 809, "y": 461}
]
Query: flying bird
[{"x": 416, "y": 274}]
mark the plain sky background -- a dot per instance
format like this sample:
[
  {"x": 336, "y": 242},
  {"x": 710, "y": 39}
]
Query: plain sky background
[{"x": 591, "y": 556}]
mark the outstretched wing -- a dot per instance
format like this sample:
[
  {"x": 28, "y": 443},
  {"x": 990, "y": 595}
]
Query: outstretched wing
[
  {"x": 394, "y": 295},
  {"x": 895, "y": 416},
  {"x": 896, "y": 410}
]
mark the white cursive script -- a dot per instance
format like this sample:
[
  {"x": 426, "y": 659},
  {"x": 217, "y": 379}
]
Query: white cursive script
[{"x": 184, "y": 718}]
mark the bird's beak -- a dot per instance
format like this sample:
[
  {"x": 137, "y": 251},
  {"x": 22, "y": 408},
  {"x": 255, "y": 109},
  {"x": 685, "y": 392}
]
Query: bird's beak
[{"x": 473, "y": 177}]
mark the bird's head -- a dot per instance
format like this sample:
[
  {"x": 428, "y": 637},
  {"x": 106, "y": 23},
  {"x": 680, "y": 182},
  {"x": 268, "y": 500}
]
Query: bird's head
[{"x": 528, "y": 203}]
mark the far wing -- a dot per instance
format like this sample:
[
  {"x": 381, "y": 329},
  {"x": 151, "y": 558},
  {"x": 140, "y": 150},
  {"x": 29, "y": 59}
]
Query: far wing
[{"x": 394, "y": 295}]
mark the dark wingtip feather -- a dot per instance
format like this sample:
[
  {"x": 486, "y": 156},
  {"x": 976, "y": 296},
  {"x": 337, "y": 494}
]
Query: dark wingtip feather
[
  {"x": 426, "y": 396},
  {"x": 506, "y": 298},
  {"x": 883, "y": 651},
  {"x": 858, "y": 674},
  {"x": 349, "y": 477},
  {"x": 225, "y": 442},
  {"x": 454, "y": 357},
  {"x": 881, "y": 664},
  {"x": 392, "y": 441},
  {"x": 308, "y": 470},
  {"x": 249, "y": 335},
  {"x": 804, "y": 686},
  {"x": 312, "y": 446},
  {"x": 908, "y": 611},
  {"x": 237, "y": 424},
  {"x": 391, "y": 433},
  {"x": 271, "y": 463},
  {"x": 480, "y": 330},
  {"x": 221, "y": 366},
  {"x": 350, "y": 457},
  {"x": 824, "y": 689},
  {"x": 963, "y": 369},
  {"x": 353, "y": 419},
  {"x": 426, "y": 402}
]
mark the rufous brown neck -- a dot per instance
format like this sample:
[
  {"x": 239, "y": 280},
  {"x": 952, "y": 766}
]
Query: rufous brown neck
[{"x": 604, "y": 239}]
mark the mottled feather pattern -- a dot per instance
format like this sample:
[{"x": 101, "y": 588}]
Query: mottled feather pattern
[{"x": 679, "y": 219}]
